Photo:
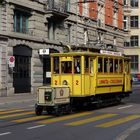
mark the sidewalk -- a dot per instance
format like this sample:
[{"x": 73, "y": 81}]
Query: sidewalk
[{"x": 18, "y": 98}]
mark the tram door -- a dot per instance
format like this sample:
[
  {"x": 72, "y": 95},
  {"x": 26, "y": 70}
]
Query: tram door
[
  {"x": 92, "y": 74},
  {"x": 46, "y": 70},
  {"x": 127, "y": 79}
]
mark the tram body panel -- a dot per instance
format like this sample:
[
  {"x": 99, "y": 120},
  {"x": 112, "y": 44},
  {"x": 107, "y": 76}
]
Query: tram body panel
[
  {"x": 77, "y": 86},
  {"x": 86, "y": 84}
]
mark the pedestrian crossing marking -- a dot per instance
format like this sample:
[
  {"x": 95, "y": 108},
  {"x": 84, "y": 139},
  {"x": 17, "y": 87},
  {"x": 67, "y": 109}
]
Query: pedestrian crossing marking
[
  {"x": 92, "y": 119},
  {"x": 64, "y": 118},
  {"x": 10, "y": 111},
  {"x": 118, "y": 121},
  {"x": 31, "y": 119},
  {"x": 16, "y": 115}
]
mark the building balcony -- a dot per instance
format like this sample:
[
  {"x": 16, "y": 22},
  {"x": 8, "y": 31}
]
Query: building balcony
[{"x": 56, "y": 9}]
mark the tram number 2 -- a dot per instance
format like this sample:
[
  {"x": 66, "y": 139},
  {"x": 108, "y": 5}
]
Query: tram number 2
[
  {"x": 55, "y": 82},
  {"x": 77, "y": 82}
]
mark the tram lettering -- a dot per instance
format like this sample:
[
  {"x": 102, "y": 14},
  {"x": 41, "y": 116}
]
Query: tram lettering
[
  {"x": 55, "y": 82},
  {"x": 103, "y": 81},
  {"x": 115, "y": 81},
  {"x": 77, "y": 82}
]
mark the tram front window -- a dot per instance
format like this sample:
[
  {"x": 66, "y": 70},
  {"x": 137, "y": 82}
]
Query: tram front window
[
  {"x": 56, "y": 65},
  {"x": 66, "y": 67}
]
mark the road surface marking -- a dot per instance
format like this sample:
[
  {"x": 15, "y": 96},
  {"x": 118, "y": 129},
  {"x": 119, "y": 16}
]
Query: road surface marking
[
  {"x": 96, "y": 118},
  {"x": 16, "y": 115},
  {"x": 31, "y": 119},
  {"x": 125, "y": 107},
  {"x": 6, "y": 133},
  {"x": 34, "y": 127},
  {"x": 64, "y": 118},
  {"x": 118, "y": 121},
  {"x": 10, "y": 111}
]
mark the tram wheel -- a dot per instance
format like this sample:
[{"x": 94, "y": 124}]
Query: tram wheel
[{"x": 38, "y": 110}]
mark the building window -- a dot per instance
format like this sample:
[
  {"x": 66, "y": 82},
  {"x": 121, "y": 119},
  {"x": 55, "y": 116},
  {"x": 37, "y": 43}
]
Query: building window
[
  {"x": 125, "y": 23},
  {"x": 100, "y": 37},
  {"x": 85, "y": 36},
  {"x": 134, "y": 21},
  {"x": 134, "y": 63},
  {"x": 21, "y": 21},
  {"x": 134, "y": 41},
  {"x": 134, "y": 3},
  {"x": 125, "y": 2},
  {"x": 126, "y": 44},
  {"x": 51, "y": 29},
  {"x": 69, "y": 33}
]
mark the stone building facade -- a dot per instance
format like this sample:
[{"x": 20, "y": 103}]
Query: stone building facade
[
  {"x": 132, "y": 45},
  {"x": 32, "y": 29}
]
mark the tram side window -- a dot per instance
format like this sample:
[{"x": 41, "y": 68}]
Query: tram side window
[
  {"x": 116, "y": 67},
  {"x": 100, "y": 65},
  {"x": 105, "y": 65},
  {"x": 120, "y": 66},
  {"x": 56, "y": 65},
  {"x": 86, "y": 65},
  {"x": 66, "y": 67},
  {"x": 111, "y": 65},
  {"x": 91, "y": 65},
  {"x": 77, "y": 63}
]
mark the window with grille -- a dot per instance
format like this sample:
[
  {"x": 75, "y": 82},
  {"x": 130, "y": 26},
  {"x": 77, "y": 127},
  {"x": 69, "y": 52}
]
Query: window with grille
[
  {"x": 134, "y": 63},
  {"x": 134, "y": 41},
  {"x": 134, "y": 21},
  {"x": 134, "y": 3}
]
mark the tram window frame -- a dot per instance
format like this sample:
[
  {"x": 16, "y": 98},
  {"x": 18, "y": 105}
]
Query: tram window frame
[
  {"x": 56, "y": 65},
  {"x": 106, "y": 65},
  {"x": 120, "y": 66},
  {"x": 86, "y": 64},
  {"x": 111, "y": 65},
  {"x": 100, "y": 64},
  {"x": 91, "y": 65},
  {"x": 66, "y": 67},
  {"x": 77, "y": 64},
  {"x": 116, "y": 65}
]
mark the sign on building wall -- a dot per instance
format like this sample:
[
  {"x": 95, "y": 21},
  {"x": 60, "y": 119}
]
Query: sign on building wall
[
  {"x": 44, "y": 51},
  {"x": 11, "y": 61}
]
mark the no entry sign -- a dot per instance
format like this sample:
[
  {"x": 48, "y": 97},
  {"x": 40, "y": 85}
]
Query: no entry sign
[{"x": 11, "y": 61}]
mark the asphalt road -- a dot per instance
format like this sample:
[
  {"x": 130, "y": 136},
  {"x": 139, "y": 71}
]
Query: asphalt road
[{"x": 119, "y": 122}]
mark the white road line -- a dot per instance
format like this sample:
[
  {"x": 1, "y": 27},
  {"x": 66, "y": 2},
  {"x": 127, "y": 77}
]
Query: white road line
[
  {"x": 33, "y": 127},
  {"x": 125, "y": 107},
  {"x": 6, "y": 133},
  {"x": 31, "y": 105}
]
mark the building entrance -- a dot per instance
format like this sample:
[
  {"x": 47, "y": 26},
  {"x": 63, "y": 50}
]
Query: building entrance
[{"x": 22, "y": 70}]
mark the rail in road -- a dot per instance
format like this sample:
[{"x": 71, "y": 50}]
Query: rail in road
[{"x": 96, "y": 119}]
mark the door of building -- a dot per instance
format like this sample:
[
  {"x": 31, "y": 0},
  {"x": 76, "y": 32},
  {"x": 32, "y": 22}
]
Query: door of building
[{"x": 22, "y": 70}]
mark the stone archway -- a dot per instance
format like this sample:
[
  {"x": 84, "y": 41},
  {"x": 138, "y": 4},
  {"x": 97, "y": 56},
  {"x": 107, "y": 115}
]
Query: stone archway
[{"x": 22, "y": 70}]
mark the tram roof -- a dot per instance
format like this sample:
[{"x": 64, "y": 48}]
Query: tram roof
[{"x": 85, "y": 53}]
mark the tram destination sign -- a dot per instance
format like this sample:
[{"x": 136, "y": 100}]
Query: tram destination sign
[{"x": 110, "y": 53}]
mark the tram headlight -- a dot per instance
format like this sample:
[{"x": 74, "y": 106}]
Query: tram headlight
[{"x": 65, "y": 82}]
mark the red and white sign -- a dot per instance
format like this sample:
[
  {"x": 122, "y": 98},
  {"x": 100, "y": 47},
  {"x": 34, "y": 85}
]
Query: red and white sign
[{"x": 11, "y": 61}]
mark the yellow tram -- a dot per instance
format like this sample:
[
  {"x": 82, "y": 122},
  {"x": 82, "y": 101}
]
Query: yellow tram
[{"x": 84, "y": 79}]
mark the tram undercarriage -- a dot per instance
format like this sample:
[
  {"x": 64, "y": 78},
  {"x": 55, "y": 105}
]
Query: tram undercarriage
[{"x": 80, "y": 104}]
